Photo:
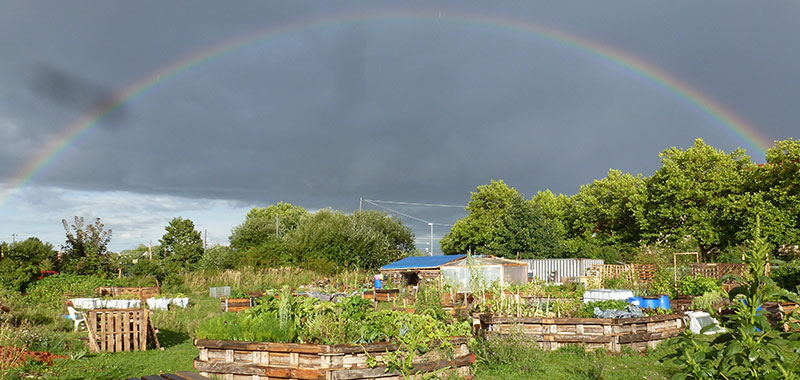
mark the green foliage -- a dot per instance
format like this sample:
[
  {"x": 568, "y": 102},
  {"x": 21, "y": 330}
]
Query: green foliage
[
  {"x": 260, "y": 225},
  {"x": 54, "y": 290},
  {"x": 787, "y": 276},
  {"x": 750, "y": 348},
  {"x": 363, "y": 240},
  {"x": 85, "y": 251},
  {"x": 709, "y": 300},
  {"x": 698, "y": 285},
  {"x": 503, "y": 223},
  {"x": 587, "y": 308},
  {"x": 218, "y": 257},
  {"x": 23, "y": 261},
  {"x": 181, "y": 245}
]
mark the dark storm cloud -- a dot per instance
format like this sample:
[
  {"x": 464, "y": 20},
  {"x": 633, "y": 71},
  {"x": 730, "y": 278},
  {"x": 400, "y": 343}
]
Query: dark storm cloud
[
  {"x": 403, "y": 109},
  {"x": 68, "y": 90}
]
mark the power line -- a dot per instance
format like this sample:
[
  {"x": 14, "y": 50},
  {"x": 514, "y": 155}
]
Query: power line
[
  {"x": 396, "y": 212},
  {"x": 416, "y": 204}
]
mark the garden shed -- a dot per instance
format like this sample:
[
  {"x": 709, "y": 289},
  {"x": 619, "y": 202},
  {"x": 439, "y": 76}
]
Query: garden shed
[
  {"x": 410, "y": 270},
  {"x": 488, "y": 269}
]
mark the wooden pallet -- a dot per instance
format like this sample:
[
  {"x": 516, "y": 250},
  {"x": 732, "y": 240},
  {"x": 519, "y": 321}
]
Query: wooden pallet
[
  {"x": 142, "y": 293},
  {"x": 234, "y": 360},
  {"x": 183, "y": 375},
  {"x": 118, "y": 330}
]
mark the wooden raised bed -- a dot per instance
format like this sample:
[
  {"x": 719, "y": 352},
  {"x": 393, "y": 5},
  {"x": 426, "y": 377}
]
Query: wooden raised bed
[
  {"x": 236, "y": 304},
  {"x": 235, "y": 360},
  {"x": 117, "y": 330},
  {"x": 142, "y": 292},
  {"x": 384, "y": 295},
  {"x": 639, "y": 334}
]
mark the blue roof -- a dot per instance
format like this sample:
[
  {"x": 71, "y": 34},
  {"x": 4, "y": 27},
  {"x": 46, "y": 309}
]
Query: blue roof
[{"x": 419, "y": 262}]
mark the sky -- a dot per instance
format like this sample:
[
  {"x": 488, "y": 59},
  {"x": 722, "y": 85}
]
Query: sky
[{"x": 209, "y": 108}]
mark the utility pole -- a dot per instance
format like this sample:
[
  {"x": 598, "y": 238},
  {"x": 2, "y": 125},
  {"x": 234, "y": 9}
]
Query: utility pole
[
  {"x": 359, "y": 203},
  {"x": 151, "y": 250},
  {"x": 431, "y": 224},
  {"x": 205, "y": 240},
  {"x": 13, "y": 239},
  {"x": 277, "y": 227}
]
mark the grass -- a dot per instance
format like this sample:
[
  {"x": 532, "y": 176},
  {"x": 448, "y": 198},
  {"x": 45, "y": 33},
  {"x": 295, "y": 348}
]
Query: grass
[{"x": 515, "y": 359}]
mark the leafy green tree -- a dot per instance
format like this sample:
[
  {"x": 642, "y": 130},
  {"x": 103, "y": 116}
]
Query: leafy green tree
[
  {"x": 86, "y": 248},
  {"x": 218, "y": 257},
  {"x": 605, "y": 210},
  {"x": 775, "y": 186},
  {"x": 689, "y": 195},
  {"x": 503, "y": 223},
  {"x": 182, "y": 245},
  {"x": 22, "y": 262},
  {"x": 260, "y": 225},
  {"x": 330, "y": 240}
]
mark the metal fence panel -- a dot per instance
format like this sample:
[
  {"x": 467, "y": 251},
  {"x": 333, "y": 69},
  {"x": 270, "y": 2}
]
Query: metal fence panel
[{"x": 552, "y": 270}]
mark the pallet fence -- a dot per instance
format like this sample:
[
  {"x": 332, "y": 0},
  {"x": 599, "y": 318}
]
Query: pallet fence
[{"x": 120, "y": 330}]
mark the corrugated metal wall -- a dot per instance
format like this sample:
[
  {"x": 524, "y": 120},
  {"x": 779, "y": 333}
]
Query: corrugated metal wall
[{"x": 551, "y": 270}]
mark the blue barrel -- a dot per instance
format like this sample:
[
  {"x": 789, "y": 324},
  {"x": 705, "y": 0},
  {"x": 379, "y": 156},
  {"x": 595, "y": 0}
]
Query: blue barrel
[
  {"x": 635, "y": 301},
  {"x": 650, "y": 302},
  {"x": 664, "y": 301}
]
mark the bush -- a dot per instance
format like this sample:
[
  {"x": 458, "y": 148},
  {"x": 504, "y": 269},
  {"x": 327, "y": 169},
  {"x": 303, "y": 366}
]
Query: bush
[
  {"x": 787, "y": 276},
  {"x": 697, "y": 285},
  {"x": 53, "y": 290}
]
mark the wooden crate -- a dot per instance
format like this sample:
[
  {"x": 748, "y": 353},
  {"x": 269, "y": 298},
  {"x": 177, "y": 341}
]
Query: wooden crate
[
  {"x": 235, "y": 360},
  {"x": 117, "y": 330},
  {"x": 236, "y": 304},
  {"x": 640, "y": 334},
  {"x": 142, "y": 293}
]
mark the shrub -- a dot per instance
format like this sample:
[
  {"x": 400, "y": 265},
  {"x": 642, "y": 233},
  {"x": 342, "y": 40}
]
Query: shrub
[
  {"x": 697, "y": 285},
  {"x": 787, "y": 276}
]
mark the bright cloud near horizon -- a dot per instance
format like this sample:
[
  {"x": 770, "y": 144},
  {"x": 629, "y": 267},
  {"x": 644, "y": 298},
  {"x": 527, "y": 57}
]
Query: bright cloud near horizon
[{"x": 377, "y": 100}]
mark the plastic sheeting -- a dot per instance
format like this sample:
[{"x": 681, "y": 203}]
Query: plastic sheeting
[
  {"x": 629, "y": 312},
  {"x": 461, "y": 278}
]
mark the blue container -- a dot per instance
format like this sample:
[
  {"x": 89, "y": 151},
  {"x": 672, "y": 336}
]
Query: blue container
[
  {"x": 635, "y": 301},
  {"x": 650, "y": 302},
  {"x": 664, "y": 302},
  {"x": 378, "y": 283}
]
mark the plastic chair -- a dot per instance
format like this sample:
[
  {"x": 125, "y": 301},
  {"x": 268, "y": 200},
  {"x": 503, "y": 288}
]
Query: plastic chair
[{"x": 77, "y": 317}]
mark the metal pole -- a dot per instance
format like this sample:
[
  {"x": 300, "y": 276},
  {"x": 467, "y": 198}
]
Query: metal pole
[{"x": 431, "y": 224}]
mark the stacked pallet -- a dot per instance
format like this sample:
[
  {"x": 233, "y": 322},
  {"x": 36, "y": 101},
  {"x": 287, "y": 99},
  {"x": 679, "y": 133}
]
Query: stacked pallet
[
  {"x": 234, "y": 360},
  {"x": 639, "y": 334},
  {"x": 142, "y": 293}
]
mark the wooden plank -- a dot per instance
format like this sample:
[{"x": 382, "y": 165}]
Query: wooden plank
[
  {"x": 126, "y": 331},
  {"x": 142, "y": 322},
  {"x": 380, "y": 371},
  {"x": 118, "y": 330},
  {"x": 152, "y": 377},
  {"x": 91, "y": 326},
  {"x": 240, "y": 369},
  {"x": 263, "y": 346},
  {"x": 135, "y": 333},
  {"x": 103, "y": 337},
  {"x": 188, "y": 376}
]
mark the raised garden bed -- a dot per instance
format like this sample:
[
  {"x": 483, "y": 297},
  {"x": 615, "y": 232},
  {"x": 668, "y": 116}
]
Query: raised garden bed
[
  {"x": 384, "y": 295},
  {"x": 236, "y": 304},
  {"x": 234, "y": 360},
  {"x": 639, "y": 334}
]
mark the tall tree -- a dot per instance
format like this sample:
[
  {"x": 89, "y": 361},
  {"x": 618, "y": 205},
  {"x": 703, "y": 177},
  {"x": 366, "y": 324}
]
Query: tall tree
[
  {"x": 689, "y": 194},
  {"x": 182, "y": 245},
  {"x": 86, "y": 248},
  {"x": 503, "y": 223},
  {"x": 260, "y": 225},
  {"x": 605, "y": 210}
]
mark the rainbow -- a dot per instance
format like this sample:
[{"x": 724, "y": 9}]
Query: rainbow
[{"x": 639, "y": 67}]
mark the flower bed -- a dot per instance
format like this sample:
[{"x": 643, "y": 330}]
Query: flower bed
[
  {"x": 262, "y": 361},
  {"x": 611, "y": 334}
]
